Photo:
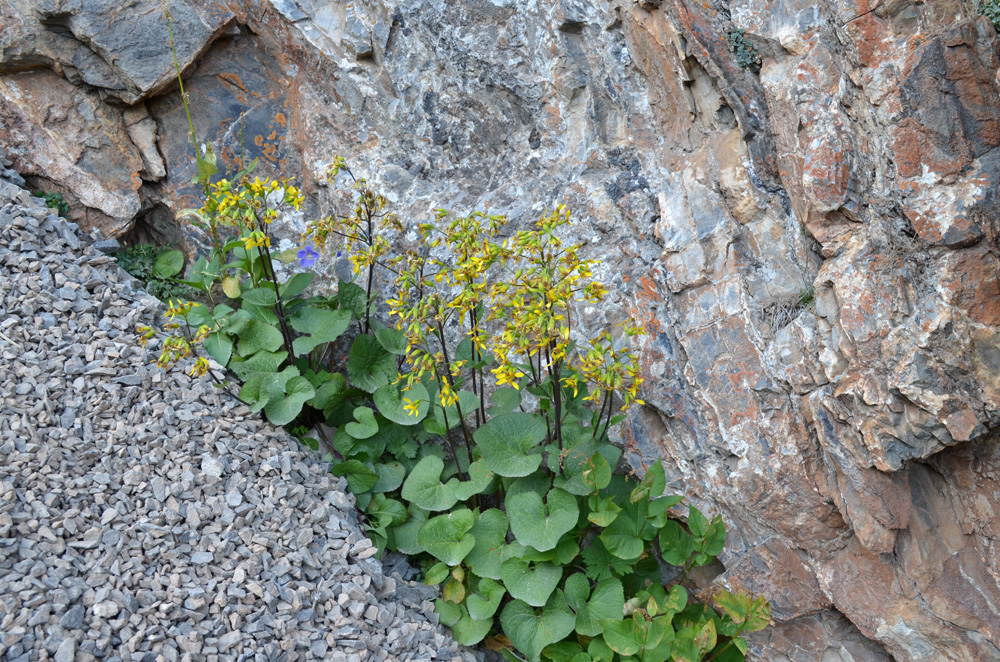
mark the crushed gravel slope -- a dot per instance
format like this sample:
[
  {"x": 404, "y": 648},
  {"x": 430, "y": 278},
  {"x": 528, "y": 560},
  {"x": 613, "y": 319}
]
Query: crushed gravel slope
[{"x": 145, "y": 516}]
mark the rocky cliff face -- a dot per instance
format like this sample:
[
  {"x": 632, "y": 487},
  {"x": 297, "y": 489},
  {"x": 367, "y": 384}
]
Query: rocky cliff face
[{"x": 813, "y": 247}]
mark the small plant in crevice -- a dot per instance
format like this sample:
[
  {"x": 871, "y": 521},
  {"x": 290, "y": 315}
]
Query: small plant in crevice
[
  {"x": 54, "y": 200},
  {"x": 515, "y": 505},
  {"x": 807, "y": 297},
  {"x": 747, "y": 56},
  {"x": 991, "y": 10}
]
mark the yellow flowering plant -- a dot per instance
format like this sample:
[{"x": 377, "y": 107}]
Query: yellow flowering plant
[{"x": 516, "y": 504}]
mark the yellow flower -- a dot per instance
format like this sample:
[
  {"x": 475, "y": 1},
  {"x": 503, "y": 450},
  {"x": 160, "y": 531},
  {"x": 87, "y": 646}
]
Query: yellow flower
[
  {"x": 256, "y": 238},
  {"x": 200, "y": 367},
  {"x": 411, "y": 407}
]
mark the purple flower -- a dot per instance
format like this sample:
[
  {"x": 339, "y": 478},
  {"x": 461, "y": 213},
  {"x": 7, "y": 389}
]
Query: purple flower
[{"x": 307, "y": 257}]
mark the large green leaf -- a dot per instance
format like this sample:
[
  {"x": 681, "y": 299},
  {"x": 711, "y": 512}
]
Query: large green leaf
[
  {"x": 624, "y": 537},
  {"x": 469, "y": 631},
  {"x": 266, "y": 386},
  {"x": 485, "y": 600},
  {"x": 543, "y": 514},
  {"x": 169, "y": 264},
  {"x": 352, "y": 297},
  {"x": 258, "y": 336},
  {"x": 262, "y": 296},
  {"x": 369, "y": 366},
  {"x": 676, "y": 544},
  {"x": 424, "y": 487},
  {"x": 623, "y": 636},
  {"x": 283, "y": 410},
  {"x": 392, "y": 340},
  {"x": 507, "y": 442},
  {"x": 404, "y": 536},
  {"x": 318, "y": 326},
  {"x": 490, "y": 531},
  {"x": 296, "y": 285},
  {"x": 531, "y": 630},
  {"x": 399, "y": 407},
  {"x": 505, "y": 400},
  {"x": 220, "y": 347},
  {"x": 262, "y": 362},
  {"x": 534, "y": 584},
  {"x": 447, "y": 537},
  {"x": 605, "y": 602},
  {"x": 390, "y": 476}
]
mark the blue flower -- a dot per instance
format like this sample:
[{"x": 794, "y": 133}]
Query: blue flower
[{"x": 307, "y": 257}]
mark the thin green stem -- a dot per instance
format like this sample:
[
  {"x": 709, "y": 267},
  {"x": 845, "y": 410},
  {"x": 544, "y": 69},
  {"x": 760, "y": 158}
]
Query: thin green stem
[
  {"x": 451, "y": 385},
  {"x": 180, "y": 82},
  {"x": 278, "y": 308}
]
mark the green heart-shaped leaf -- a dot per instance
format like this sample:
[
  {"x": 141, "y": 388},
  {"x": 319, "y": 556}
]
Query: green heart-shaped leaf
[
  {"x": 469, "y": 631},
  {"x": 490, "y": 531},
  {"x": 447, "y": 537},
  {"x": 676, "y": 544},
  {"x": 364, "y": 425},
  {"x": 262, "y": 296},
  {"x": 485, "y": 601},
  {"x": 507, "y": 442},
  {"x": 531, "y": 630},
  {"x": 266, "y": 386},
  {"x": 540, "y": 522},
  {"x": 284, "y": 409},
  {"x": 448, "y": 612},
  {"x": 424, "y": 487},
  {"x": 404, "y": 536},
  {"x": 168, "y": 265},
  {"x": 406, "y": 408},
  {"x": 533, "y": 585}
]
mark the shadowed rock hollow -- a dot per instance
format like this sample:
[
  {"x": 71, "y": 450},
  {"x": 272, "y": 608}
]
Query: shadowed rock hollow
[{"x": 813, "y": 248}]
